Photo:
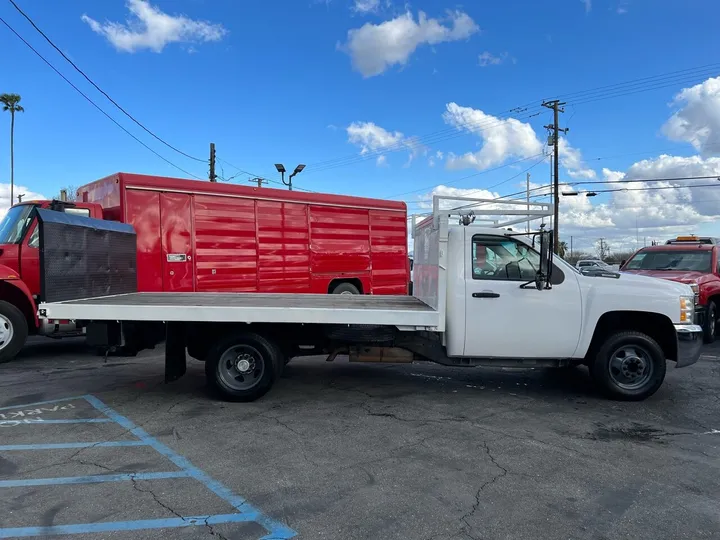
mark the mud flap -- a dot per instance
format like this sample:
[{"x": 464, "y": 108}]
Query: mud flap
[{"x": 175, "y": 359}]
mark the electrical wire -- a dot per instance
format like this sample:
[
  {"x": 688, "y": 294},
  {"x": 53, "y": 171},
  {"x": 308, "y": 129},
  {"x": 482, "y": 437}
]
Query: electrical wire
[
  {"x": 486, "y": 171},
  {"x": 95, "y": 104},
  {"x": 130, "y": 116},
  {"x": 575, "y": 98}
]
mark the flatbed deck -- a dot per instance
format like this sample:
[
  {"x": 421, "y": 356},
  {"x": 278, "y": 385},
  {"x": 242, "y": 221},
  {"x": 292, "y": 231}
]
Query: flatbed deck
[{"x": 405, "y": 312}]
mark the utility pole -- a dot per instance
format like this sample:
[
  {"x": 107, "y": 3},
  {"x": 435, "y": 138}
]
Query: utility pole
[
  {"x": 527, "y": 198},
  {"x": 260, "y": 181},
  {"x": 213, "y": 177},
  {"x": 19, "y": 197},
  {"x": 571, "y": 247},
  {"x": 556, "y": 106}
]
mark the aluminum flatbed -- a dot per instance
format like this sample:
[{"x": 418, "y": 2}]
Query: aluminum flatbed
[{"x": 405, "y": 312}]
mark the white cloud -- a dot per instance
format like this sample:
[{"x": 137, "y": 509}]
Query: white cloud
[
  {"x": 571, "y": 159},
  {"x": 697, "y": 121},
  {"x": 370, "y": 137},
  {"x": 502, "y": 138},
  {"x": 150, "y": 28},
  {"x": 658, "y": 213},
  {"x": 622, "y": 10},
  {"x": 588, "y": 5},
  {"x": 366, "y": 6},
  {"x": 373, "y": 48},
  {"x": 632, "y": 213},
  {"x": 488, "y": 59},
  {"x": 27, "y": 193},
  {"x": 439, "y": 154}
]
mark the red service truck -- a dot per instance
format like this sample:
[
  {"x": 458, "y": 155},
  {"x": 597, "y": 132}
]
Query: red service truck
[
  {"x": 197, "y": 236},
  {"x": 687, "y": 259}
]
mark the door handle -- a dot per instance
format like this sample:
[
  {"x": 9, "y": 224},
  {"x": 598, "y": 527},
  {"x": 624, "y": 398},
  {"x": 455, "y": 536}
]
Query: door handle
[{"x": 485, "y": 294}]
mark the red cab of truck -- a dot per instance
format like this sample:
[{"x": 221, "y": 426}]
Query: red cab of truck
[
  {"x": 211, "y": 237},
  {"x": 691, "y": 260}
]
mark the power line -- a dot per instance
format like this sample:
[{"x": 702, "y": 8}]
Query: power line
[
  {"x": 468, "y": 176},
  {"x": 93, "y": 103},
  {"x": 100, "y": 89},
  {"x": 634, "y": 86},
  {"x": 258, "y": 176}
]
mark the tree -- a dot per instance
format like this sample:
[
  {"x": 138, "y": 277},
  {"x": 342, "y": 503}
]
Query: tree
[
  {"x": 11, "y": 102},
  {"x": 562, "y": 249},
  {"x": 602, "y": 249}
]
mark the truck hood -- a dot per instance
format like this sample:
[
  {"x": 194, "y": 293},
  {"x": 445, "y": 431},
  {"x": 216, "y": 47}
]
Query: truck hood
[
  {"x": 681, "y": 276},
  {"x": 671, "y": 286}
]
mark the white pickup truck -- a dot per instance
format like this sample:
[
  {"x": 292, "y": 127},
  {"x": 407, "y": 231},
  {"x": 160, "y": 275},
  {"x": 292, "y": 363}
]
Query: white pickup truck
[{"x": 483, "y": 295}]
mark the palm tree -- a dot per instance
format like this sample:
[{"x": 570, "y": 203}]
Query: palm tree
[{"x": 11, "y": 102}]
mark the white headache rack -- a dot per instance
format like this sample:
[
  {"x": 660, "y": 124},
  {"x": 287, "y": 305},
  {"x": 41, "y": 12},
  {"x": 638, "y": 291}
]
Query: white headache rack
[{"x": 492, "y": 213}]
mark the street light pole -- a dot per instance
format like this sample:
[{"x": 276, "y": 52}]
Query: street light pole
[{"x": 297, "y": 170}]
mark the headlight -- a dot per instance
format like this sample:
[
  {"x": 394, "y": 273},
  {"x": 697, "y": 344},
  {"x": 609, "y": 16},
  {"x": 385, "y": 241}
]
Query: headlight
[
  {"x": 687, "y": 309},
  {"x": 696, "y": 290}
]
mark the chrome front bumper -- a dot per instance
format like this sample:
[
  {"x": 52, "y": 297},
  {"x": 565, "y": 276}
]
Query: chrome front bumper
[{"x": 690, "y": 341}]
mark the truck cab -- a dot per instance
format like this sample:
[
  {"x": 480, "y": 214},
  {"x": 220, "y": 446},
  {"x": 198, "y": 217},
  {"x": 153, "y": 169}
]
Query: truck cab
[
  {"x": 20, "y": 289},
  {"x": 691, "y": 260}
]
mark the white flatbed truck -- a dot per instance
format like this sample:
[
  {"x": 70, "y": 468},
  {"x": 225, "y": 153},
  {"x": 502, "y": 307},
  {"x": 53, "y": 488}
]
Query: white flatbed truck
[{"x": 483, "y": 295}]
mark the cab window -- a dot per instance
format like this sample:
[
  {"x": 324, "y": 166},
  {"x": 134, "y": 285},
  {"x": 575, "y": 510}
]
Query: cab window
[
  {"x": 503, "y": 259},
  {"x": 34, "y": 240}
]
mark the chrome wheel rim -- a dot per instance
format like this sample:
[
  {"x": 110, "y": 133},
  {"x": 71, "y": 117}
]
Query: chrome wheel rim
[
  {"x": 241, "y": 367},
  {"x": 6, "y": 332},
  {"x": 630, "y": 367}
]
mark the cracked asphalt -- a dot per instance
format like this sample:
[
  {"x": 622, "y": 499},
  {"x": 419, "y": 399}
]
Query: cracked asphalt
[{"x": 360, "y": 451}]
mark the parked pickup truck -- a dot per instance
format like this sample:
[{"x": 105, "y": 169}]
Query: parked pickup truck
[
  {"x": 482, "y": 296},
  {"x": 691, "y": 260}
]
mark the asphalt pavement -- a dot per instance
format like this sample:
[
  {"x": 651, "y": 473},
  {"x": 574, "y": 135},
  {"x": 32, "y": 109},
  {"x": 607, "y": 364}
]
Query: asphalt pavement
[{"x": 104, "y": 449}]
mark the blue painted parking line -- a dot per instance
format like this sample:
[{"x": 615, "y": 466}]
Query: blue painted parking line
[
  {"x": 136, "y": 525},
  {"x": 60, "y": 446},
  {"x": 93, "y": 479},
  {"x": 246, "y": 512}
]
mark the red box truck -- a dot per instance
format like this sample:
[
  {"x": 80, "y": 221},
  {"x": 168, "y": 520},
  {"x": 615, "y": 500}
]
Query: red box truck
[{"x": 212, "y": 237}]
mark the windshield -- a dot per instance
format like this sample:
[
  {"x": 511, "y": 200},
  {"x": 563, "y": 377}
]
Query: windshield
[
  {"x": 13, "y": 225},
  {"x": 694, "y": 261}
]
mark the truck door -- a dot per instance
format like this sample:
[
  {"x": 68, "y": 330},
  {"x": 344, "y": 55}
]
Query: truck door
[
  {"x": 176, "y": 232},
  {"x": 504, "y": 320}
]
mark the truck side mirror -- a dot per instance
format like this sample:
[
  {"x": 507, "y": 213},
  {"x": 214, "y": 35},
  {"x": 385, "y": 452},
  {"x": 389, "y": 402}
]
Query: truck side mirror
[{"x": 543, "y": 272}]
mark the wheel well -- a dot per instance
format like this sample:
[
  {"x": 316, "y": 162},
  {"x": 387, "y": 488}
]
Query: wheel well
[
  {"x": 353, "y": 281},
  {"x": 659, "y": 327},
  {"x": 716, "y": 299},
  {"x": 16, "y": 297}
]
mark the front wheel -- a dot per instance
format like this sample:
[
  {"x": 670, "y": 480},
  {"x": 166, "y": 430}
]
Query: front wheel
[
  {"x": 710, "y": 323},
  {"x": 13, "y": 331},
  {"x": 243, "y": 367},
  {"x": 630, "y": 366}
]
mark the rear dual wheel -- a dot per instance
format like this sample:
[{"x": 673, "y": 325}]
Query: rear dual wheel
[{"x": 243, "y": 367}]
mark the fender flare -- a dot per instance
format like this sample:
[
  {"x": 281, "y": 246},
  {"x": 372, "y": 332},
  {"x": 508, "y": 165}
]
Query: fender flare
[{"x": 11, "y": 277}]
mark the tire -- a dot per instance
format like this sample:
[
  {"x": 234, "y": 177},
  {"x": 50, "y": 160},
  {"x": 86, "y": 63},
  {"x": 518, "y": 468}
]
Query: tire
[
  {"x": 13, "y": 331},
  {"x": 345, "y": 288},
  {"x": 228, "y": 380},
  {"x": 629, "y": 366},
  {"x": 709, "y": 329}
]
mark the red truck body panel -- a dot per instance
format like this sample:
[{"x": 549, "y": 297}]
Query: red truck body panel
[{"x": 211, "y": 237}]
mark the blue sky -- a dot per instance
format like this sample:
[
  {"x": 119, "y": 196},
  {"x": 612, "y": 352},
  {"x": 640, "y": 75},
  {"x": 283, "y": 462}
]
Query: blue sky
[{"x": 312, "y": 81}]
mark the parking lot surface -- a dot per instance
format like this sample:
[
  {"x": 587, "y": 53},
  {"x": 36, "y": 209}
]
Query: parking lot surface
[{"x": 95, "y": 449}]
